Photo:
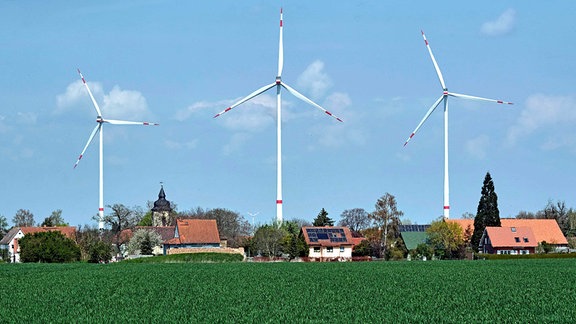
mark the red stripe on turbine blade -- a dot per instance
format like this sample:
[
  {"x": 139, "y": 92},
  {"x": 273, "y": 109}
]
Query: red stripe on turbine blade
[
  {"x": 499, "y": 101},
  {"x": 227, "y": 109},
  {"x": 279, "y": 201},
  {"x": 340, "y": 120},
  {"x": 329, "y": 113},
  {"x": 145, "y": 123}
]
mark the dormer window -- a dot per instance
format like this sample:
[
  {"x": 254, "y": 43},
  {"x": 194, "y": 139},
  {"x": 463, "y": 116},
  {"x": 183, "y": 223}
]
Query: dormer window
[
  {"x": 517, "y": 239},
  {"x": 513, "y": 229},
  {"x": 525, "y": 240}
]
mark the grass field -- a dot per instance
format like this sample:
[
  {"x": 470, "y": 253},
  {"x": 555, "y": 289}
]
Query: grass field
[{"x": 533, "y": 291}]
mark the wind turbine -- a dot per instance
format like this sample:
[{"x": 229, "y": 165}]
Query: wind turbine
[
  {"x": 100, "y": 120},
  {"x": 279, "y": 84},
  {"x": 444, "y": 97}
]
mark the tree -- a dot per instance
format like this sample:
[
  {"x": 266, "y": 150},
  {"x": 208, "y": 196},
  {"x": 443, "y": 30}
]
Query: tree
[
  {"x": 3, "y": 226},
  {"x": 294, "y": 244},
  {"x": 55, "y": 219},
  {"x": 100, "y": 251},
  {"x": 447, "y": 239},
  {"x": 322, "y": 219},
  {"x": 23, "y": 218},
  {"x": 120, "y": 219},
  {"x": 488, "y": 213},
  {"x": 231, "y": 225},
  {"x": 386, "y": 217},
  {"x": 268, "y": 240},
  {"x": 49, "y": 247},
  {"x": 143, "y": 242},
  {"x": 356, "y": 219}
]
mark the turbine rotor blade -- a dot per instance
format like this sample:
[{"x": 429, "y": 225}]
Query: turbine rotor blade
[
  {"x": 248, "y": 97},
  {"x": 458, "y": 95},
  {"x": 425, "y": 117},
  {"x": 90, "y": 93},
  {"x": 96, "y": 130},
  {"x": 305, "y": 99},
  {"x": 438, "y": 72},
  {"x": 280, "y": 49},
  {"x": 124, "y": 122}
]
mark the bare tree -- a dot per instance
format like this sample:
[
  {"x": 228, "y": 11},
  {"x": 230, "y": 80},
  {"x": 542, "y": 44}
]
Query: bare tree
[
  {"x": 356, "y": 219},
  {"x": 386, "y": 216},
  {"x": 23, "y": 218}
]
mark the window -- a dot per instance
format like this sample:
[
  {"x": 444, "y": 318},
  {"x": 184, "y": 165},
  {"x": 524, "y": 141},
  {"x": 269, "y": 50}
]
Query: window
[
  {"x": 329, "y": 249},
  {"x": 517, "y": 239},
  {"x": 513, "y": 229},
  {"x": 525, "y": 240},
  {"x": 316, "y": 249},
  {"x": 341, "y": 249}
]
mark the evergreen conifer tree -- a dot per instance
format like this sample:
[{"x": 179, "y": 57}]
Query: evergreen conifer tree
[
  {"x": 487, "y": 214},
  {"x": 322, "y": 219}
]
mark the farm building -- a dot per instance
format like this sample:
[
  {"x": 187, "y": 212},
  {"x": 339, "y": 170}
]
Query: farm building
[
  {"x": 544, "y": 230},
  {"x": 413, "y": 235},
  {"x": 508, "y": 240},
  {"x": 194, "y": 233},
  {"x": 10, "y": 240},
  {"x": 329, "y": 242}
]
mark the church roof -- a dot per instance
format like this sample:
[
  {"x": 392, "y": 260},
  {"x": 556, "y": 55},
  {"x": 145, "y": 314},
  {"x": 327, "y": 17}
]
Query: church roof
[{"x": 161, "y": 204}]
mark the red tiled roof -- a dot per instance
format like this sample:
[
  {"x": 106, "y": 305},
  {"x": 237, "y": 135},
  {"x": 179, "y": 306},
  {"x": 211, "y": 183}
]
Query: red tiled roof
[
  {"x": 166, "y": 232},
  {"x": 511, "y": 236},
  {"x": 543, "y": 229},
  {"x": 327, "y": 242},
  {"x": 68, "y": 231},
  {"x": 194, "y": 231}
]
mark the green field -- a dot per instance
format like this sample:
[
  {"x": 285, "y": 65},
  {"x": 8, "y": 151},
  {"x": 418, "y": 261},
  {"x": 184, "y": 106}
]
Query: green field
[{"x": 533, "y": 291}]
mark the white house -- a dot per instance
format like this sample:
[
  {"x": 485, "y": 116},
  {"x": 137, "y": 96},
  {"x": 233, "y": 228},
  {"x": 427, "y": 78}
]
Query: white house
[
  {"x": 328, "y": 243},
  {"x": 10, "y": 240}
]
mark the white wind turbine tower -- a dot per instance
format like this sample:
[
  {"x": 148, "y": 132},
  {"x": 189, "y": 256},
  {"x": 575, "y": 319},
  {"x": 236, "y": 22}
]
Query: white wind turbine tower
[
  {"x": 444, "y": 97},
  {"x": 100, "y": 120},
  {"x": 279, "y": 84}
]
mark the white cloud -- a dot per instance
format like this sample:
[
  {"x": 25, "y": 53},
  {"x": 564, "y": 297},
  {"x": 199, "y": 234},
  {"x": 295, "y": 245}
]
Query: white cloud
[
  {"x": 117, "y": 104},
  {"x": 477, "y": 146},
  {"x": 253, "y": 115},
  {"x": 502, "y": 25},
  {"x": 314, "y": 79},
  {"x": 29, "y": 118},
  {"x": 236, "y": 143},
  {"x": 551, "y": 116},
  {"x": 196, "y": 107},
  {"x": 174, "y": 145}
]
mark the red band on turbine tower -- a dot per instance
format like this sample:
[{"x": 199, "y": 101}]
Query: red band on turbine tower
[
  {"x": 101, "y": 209},
  {"x": 279, "y": 201},
  {"x": 446, "y": 207}
]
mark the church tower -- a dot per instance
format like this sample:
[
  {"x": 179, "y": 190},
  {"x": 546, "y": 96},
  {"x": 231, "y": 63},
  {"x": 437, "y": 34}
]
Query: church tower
[{"x": 161, "y": 210}]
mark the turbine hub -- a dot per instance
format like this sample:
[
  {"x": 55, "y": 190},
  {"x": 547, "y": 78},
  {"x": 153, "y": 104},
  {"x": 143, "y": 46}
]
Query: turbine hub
[
  {"x": 278, "y": 79},
  {"x": 445, "y": 91},
  {"x": 99, "y": 119}
]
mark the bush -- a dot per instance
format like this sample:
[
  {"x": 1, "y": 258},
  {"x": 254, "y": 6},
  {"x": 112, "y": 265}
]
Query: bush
[
  {"x": 49, "y": 247},
  {"x": 191, "y": 258},
  {"x": 100, "y": 251}
]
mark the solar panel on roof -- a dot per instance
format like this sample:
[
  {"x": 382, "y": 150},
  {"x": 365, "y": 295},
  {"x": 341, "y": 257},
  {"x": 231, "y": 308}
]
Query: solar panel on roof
[{"x": 335, "y": 235}]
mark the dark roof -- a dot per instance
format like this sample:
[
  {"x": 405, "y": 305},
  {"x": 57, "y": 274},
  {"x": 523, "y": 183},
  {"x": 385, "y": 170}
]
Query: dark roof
[
  {"x": 166, "y": 232},
  {"x": 413, "y": 228},
  {"x": 161, "y": 204},
  {"x": 9, "y": 236}
]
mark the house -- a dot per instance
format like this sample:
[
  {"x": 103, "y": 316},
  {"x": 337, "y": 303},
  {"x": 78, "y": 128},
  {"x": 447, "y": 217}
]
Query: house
[
  {"x": 508, "y": 240},
  {"x": 193, "y": 233},
  {"x": 544, "y": 230},
  {"x": 413, "y": 235},
  {"x": 10, "y": 240},
  {"x": 328, "y": 242}
]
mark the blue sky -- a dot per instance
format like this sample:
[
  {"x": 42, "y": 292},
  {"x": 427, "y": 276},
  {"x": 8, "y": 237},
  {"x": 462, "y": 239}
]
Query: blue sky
[{"x": 178, "y": 63}]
